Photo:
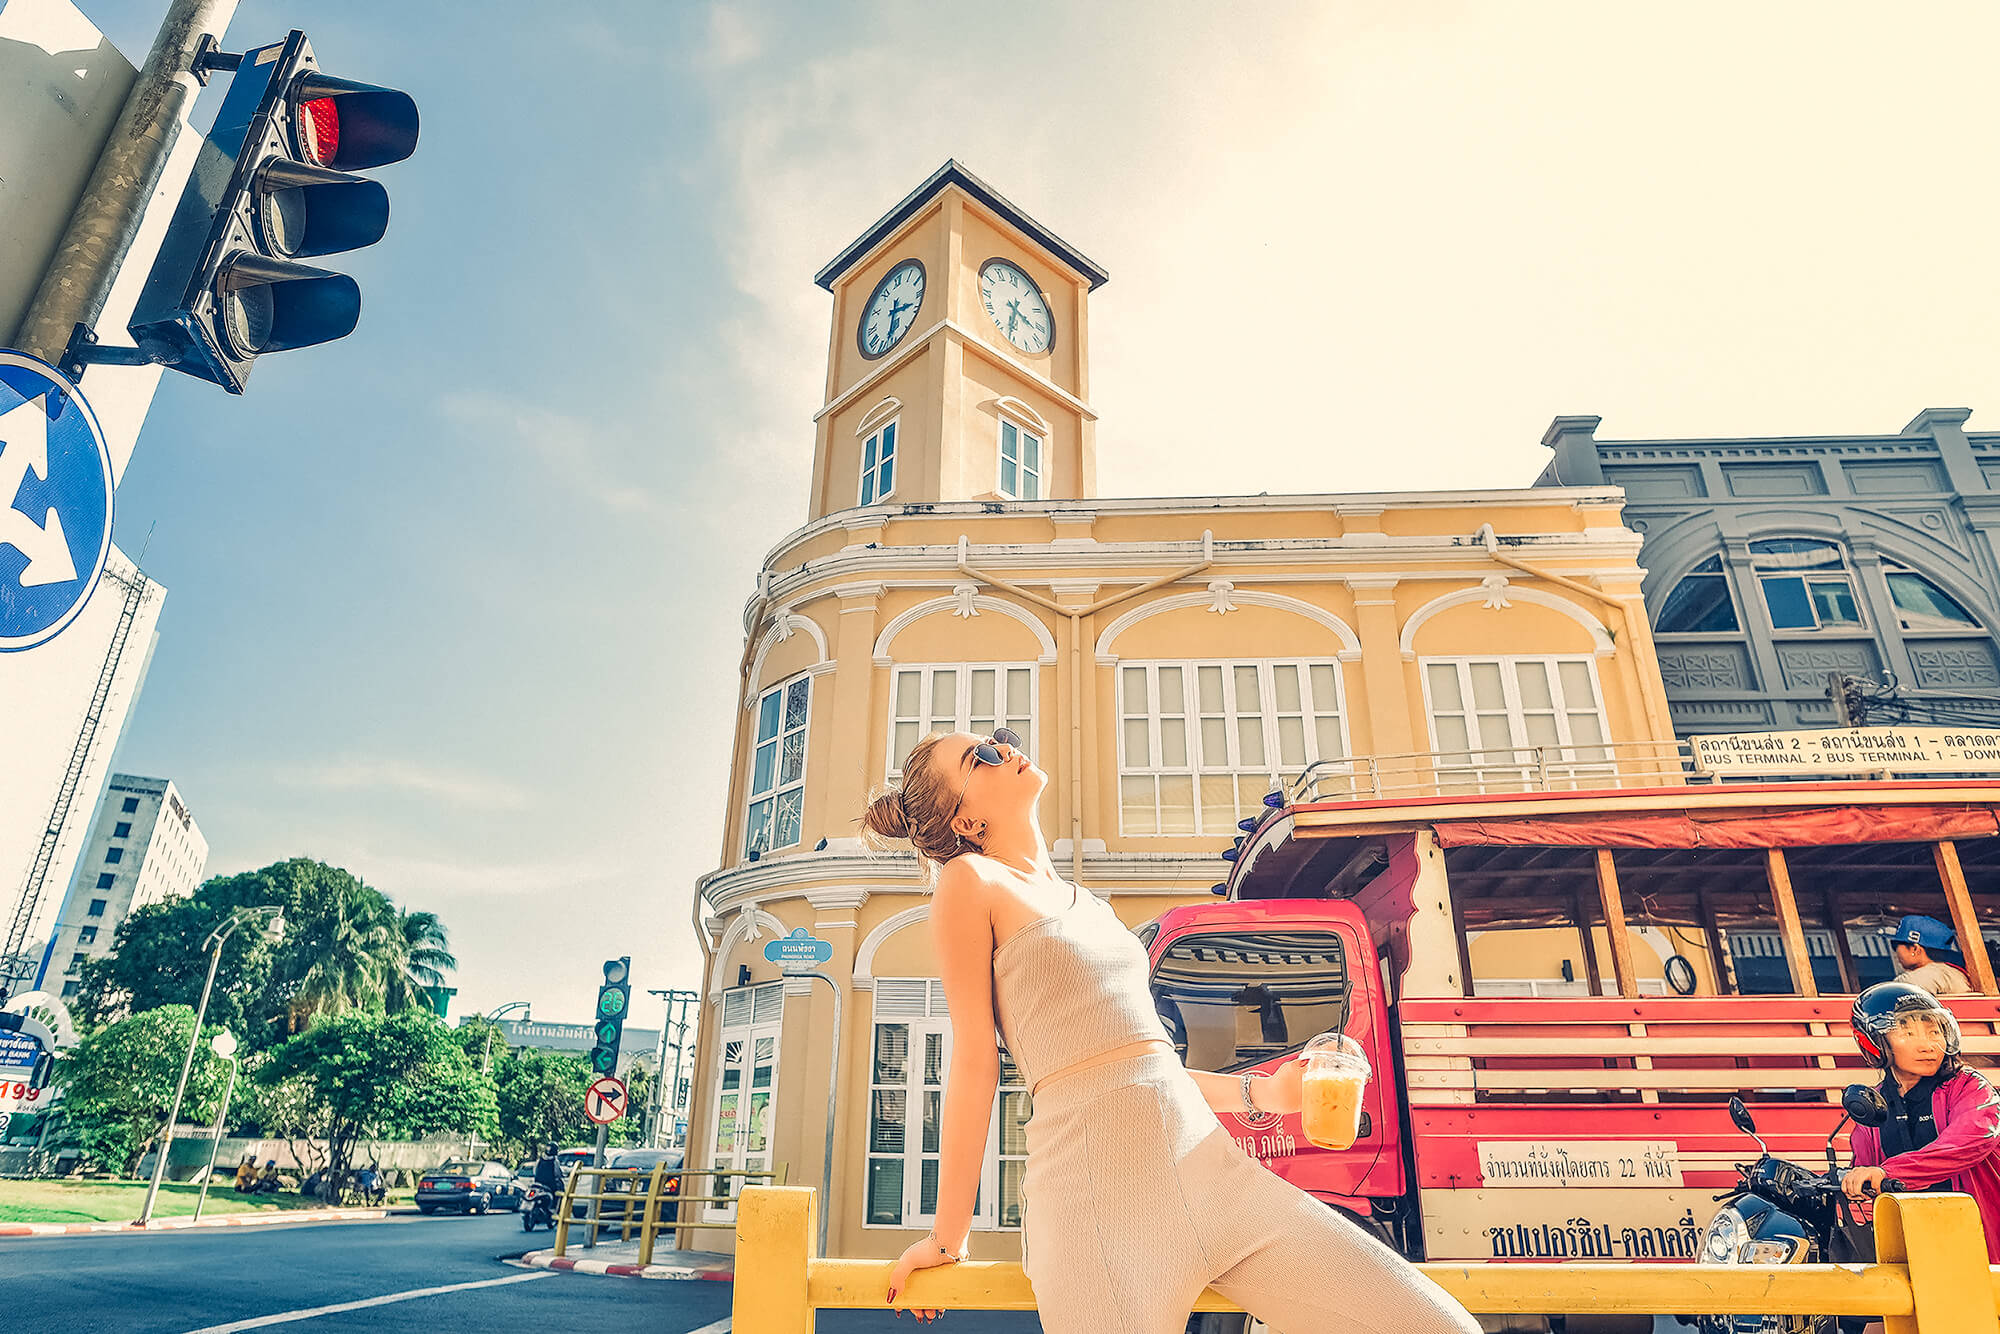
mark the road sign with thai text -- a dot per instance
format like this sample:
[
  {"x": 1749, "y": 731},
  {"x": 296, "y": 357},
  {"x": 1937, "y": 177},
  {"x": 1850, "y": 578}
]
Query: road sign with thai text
[{"x": 1831, "y": 751}]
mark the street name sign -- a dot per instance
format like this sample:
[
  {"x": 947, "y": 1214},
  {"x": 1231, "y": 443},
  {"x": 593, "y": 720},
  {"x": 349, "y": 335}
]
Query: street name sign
[
  {"x": 606, "y": 1100},
  {"x": 1903, "y": 750},
  {"x": 55, "y": 501},
  {"x": 799, "y": 950}
]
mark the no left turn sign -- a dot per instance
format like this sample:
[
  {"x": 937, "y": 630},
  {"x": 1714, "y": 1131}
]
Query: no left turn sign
[{"x": 606, "y": 1100}]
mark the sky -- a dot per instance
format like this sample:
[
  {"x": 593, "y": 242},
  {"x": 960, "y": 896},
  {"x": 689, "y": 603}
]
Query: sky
[{"x": 456, "y": 602}]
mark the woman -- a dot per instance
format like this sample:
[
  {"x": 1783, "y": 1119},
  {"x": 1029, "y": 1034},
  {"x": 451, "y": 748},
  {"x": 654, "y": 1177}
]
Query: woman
[
  {"x": 1135, "y": 1197},
  {"x": 1944, "y": 1120}
]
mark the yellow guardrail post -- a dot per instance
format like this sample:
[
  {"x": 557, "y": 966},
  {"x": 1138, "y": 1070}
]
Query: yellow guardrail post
[
  {"x": 1932, "y": 1277},
  {"x": 562, "y": 1213},
  {"x": 649, "y": 1226},
  {"x": 774, "y": 1238},
  {"x": 1940, "y": 1240}
]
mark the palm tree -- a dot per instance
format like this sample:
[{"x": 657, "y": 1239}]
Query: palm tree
[
  {"x": 422, "y": 958},
  {"x": 345, "y": 952}
]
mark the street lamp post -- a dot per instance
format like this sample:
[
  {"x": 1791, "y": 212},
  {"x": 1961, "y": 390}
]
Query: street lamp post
[
  {"x": 224, "y": 1045},
  {"x": 274, "y": 930},
  {"x": 486, "y": 1061}
]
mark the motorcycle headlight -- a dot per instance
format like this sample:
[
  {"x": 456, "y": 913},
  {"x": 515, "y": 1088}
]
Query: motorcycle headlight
[
  {"x": 1774, "y": 1251},
  {"x": 1725, "y": 1239}
]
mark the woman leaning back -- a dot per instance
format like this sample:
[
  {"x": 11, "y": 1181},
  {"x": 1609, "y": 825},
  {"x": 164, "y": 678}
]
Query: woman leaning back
[{"x": 1135, "y": 1198}]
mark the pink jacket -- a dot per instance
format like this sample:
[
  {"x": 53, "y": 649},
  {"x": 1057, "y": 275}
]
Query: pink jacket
[{"x": 1966, "y": 1151}]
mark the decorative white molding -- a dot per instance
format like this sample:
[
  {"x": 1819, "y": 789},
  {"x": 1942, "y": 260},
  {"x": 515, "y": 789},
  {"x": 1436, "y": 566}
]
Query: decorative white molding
[
  {"x": 978, "y": 602},
  {"x": 1238, "y": 597},
  {"x": 864, "y": 956},
  {"x": 793, "y": 876},
  {"x": 1599, "y": 637},
  {"x": 1009, "y": 406},
  {"x": 783, "y": 624},
  {"x": 1074, "y": 588},
  {"x": 1495, "y": 587},
  {"x": 878, "y": 414},
  {"x": 798, "y": 986},
  {"x": 965, "y": 594},
  {"x": 1220, "y": 602},
  {"x": 743, "y": 926},
  {"x": 831, "y": 899}
]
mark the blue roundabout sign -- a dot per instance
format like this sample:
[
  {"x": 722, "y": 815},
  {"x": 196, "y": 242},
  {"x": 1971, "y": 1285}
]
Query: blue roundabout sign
[{"x": 55, "y": 502}]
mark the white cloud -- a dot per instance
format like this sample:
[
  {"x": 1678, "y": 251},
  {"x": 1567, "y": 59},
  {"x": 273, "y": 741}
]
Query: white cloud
[{"x": 409, "y": 779}]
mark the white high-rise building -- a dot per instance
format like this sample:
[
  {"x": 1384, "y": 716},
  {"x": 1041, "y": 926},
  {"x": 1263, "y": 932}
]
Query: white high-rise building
[{"x": 143, "y": 847}]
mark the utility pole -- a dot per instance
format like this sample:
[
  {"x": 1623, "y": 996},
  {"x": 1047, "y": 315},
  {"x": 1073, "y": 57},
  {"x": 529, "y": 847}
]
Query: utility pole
[
  {"x": 665, "y": 1095},
  {"x": 107, "y": 217},
  {"x": 1840, "y": 689}
]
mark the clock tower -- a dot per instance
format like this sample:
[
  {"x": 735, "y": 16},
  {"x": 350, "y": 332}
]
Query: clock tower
[{"x": 959, "y": 367}]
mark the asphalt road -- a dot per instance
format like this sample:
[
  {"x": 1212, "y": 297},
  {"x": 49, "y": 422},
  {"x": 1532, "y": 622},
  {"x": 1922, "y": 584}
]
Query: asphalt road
[{"x": 189, "y": 1281}]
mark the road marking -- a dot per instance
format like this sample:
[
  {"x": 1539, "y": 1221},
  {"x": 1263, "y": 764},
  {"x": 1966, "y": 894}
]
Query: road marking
[
  {"x": 719, "y": 1327},
  {"x": 287, "y": 1317}
]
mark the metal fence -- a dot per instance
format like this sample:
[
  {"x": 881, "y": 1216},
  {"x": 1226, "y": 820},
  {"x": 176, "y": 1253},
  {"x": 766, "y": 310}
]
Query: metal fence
[
  {"x": 1932, "y": 1277},
  {"x": 1429, "y": 773},
  {"x": 619, "y": 1204}
]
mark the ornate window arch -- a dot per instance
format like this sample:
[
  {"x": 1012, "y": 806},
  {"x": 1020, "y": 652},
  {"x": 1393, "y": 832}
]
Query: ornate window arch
[
  {"x": 784, "y": 625},
  {"x": 748, "y": 922},
  {"x": 1498, "y": 592},
  {"x": 1225, "y": 597},
  {"x": 965, "y": 601},
  {"x": 871, "y": 944}
]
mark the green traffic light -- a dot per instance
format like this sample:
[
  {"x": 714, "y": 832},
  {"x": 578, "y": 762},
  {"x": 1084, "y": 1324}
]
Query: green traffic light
[{"x": 610, "y": 1002}]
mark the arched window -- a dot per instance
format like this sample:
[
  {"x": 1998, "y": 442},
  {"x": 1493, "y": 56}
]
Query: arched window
[
  {"x": 1806, "y": 584},
  {"x": 1921, "y": 604},
  {"x": 1699, "y": 603}
]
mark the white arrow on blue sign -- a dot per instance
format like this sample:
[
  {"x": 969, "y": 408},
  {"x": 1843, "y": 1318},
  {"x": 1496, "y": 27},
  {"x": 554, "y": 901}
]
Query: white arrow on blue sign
[
  {"x": 799, "y": 950},
  {"x": 55, "y": 501}
]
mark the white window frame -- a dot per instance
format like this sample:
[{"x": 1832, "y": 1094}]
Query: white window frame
[
  {"x": 1198, "y": 766},
  {"x": 780, "y": 787},
  {"x": 934, "y": 1019},
  {"x": 928, "y": 718},
  {"x": 748, "y": 1034},
  {"x": 875, "y": 461},
  {"x": 1021, "y": 470},
  {"x": 1845, "y": 574},
  {"x": 1517, "y": 772}
]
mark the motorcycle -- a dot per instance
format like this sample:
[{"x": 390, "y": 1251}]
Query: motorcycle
[
  {"x": 1781, "y": 1213},
  {"x": 538, "y": 1209}
]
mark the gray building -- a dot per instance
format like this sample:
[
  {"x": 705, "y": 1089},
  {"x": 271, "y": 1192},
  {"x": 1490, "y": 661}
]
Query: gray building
[
  {"x": 1774, "y": 564},
  {"x": 144, "y": 847}
]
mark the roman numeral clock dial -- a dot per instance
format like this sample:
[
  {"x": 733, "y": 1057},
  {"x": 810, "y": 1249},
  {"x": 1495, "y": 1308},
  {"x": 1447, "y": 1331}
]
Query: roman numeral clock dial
[
  {"x": 1016, "y": 306},
  {"x": 891, "y": 309}
]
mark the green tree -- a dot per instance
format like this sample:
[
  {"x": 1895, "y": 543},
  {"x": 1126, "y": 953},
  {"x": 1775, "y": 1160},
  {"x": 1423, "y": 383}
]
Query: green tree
[
  {"x": 362, "y": 1075},
  {"x": 118, "y": 1084},
  {"x": 346, "y": 947},
  {"x": 541, "y": 1099}
]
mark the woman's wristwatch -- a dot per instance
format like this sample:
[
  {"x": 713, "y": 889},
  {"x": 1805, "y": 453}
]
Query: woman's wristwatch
[
  {"x": 1251, "y": 1116},
  {"x": 951, "y": 1256}
]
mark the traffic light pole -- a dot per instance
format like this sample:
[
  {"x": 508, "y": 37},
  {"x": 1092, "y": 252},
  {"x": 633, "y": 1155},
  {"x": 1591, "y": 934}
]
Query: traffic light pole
[{"x": 100, "y": 231}]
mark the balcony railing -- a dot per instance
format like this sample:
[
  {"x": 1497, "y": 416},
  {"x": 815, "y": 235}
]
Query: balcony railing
[{"x": 1443, "y": 773}]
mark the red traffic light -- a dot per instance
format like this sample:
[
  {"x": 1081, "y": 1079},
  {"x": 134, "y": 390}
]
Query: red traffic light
[
  {"x": 350, "y": 126},
  {"x": 319, "y": 130}
]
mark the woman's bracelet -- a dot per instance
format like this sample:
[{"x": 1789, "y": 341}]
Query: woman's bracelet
[
  {"x": 951, "y": 1256},
  {"x": 1251, "y": 1114}
]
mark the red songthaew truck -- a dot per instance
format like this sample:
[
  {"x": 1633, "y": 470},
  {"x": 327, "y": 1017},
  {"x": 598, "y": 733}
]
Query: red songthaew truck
[{"x": 1560, "y": 991}]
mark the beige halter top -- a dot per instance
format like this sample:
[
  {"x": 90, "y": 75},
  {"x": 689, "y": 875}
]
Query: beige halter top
[{"x": 1071, "y": 986}]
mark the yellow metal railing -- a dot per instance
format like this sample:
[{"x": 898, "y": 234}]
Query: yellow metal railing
[
  {"x": 1932, "y": 1277},
  {"x": 641, "y": 1212}
]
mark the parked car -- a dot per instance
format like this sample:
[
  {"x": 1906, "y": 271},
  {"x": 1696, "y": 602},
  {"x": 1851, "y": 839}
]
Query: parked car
[
  {"x": 470, "y": 1186},
  {"x": 611, "y": 1213}
]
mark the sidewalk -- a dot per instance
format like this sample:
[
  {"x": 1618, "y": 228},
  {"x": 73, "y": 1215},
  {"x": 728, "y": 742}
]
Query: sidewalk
[
  {"x": 622, "y": 1260},
  {"x": 213, "y": 1220}
]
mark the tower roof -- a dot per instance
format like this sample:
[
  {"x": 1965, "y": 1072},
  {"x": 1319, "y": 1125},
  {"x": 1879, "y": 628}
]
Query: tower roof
[{"x": 951, "y": 173}]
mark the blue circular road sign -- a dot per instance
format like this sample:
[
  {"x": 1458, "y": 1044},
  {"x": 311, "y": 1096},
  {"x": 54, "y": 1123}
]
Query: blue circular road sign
[{"x": 55, "y": 501}]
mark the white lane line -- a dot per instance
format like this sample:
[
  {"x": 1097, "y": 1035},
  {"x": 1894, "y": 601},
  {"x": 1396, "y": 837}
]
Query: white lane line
[
  {"x": 719, "y": 1327},
  {"x": 287, "y": 1317}
]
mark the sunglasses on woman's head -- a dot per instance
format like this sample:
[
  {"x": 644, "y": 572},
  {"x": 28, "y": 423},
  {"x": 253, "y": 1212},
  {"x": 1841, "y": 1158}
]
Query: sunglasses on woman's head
[{"x": 987, "y": 752}]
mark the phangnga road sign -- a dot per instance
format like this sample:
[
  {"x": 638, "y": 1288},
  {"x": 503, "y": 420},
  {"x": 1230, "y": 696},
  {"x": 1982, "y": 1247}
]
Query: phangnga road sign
[{"x": 1837, "y": 752}]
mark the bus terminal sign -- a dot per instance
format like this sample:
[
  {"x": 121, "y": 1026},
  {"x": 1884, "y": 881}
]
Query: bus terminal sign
[{"x": 1905, "y": 750}]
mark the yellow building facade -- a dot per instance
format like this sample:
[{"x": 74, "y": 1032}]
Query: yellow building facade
[{"x": 1169, "y": 662}]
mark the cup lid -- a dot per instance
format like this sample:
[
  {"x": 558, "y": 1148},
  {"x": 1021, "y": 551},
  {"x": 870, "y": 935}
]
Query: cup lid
[{"x": 1335, "y": 1044}]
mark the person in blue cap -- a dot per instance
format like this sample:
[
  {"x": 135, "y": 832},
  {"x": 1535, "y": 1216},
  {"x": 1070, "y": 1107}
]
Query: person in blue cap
[{"x": 1927, "y": 956}]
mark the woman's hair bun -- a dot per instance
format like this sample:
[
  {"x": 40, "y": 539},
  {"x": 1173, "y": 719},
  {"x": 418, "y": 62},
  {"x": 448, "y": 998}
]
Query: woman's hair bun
[{"x": 886, "y": 816}]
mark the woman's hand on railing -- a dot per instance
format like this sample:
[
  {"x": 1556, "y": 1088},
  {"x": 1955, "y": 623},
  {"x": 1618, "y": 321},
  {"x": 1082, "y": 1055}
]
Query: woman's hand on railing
[{"x": 923, "y": 1253}]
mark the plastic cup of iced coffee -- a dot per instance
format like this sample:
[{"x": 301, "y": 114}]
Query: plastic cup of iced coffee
[{"x": 1335, "y": 1076}]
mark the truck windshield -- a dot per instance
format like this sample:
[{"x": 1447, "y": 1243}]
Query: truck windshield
[{"x": 1233, "y": 999}]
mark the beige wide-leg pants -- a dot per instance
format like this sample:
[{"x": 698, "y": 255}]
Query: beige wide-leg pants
[{"x": 1136, "y": 1199}]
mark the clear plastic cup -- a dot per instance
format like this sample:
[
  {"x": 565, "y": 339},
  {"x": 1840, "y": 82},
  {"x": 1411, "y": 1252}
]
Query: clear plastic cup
[{"x": 1336, "y": 1074}]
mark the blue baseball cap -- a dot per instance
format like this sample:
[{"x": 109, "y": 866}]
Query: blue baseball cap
[{"x": 1928, "y": 932}]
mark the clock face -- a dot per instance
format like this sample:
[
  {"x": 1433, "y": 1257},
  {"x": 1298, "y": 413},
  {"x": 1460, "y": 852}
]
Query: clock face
[
  {"x": 892, "y": 309},
  {"x": 1017, "y": 306}
]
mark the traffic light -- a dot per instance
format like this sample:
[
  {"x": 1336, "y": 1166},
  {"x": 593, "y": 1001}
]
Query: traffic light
[
  {"x": 614, "y": 998},
  {"x": 273, "y": 184}
]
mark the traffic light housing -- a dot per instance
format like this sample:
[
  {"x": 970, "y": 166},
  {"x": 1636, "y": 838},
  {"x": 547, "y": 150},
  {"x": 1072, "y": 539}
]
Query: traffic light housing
[
  {"x": 614, "y": 1000},
  {"x": 274, "y": 183}
]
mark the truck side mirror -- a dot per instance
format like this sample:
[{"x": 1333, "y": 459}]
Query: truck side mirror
[
  {"x": 1864, "y": 1105},
  {"x": 1740, "y": 1116}
]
